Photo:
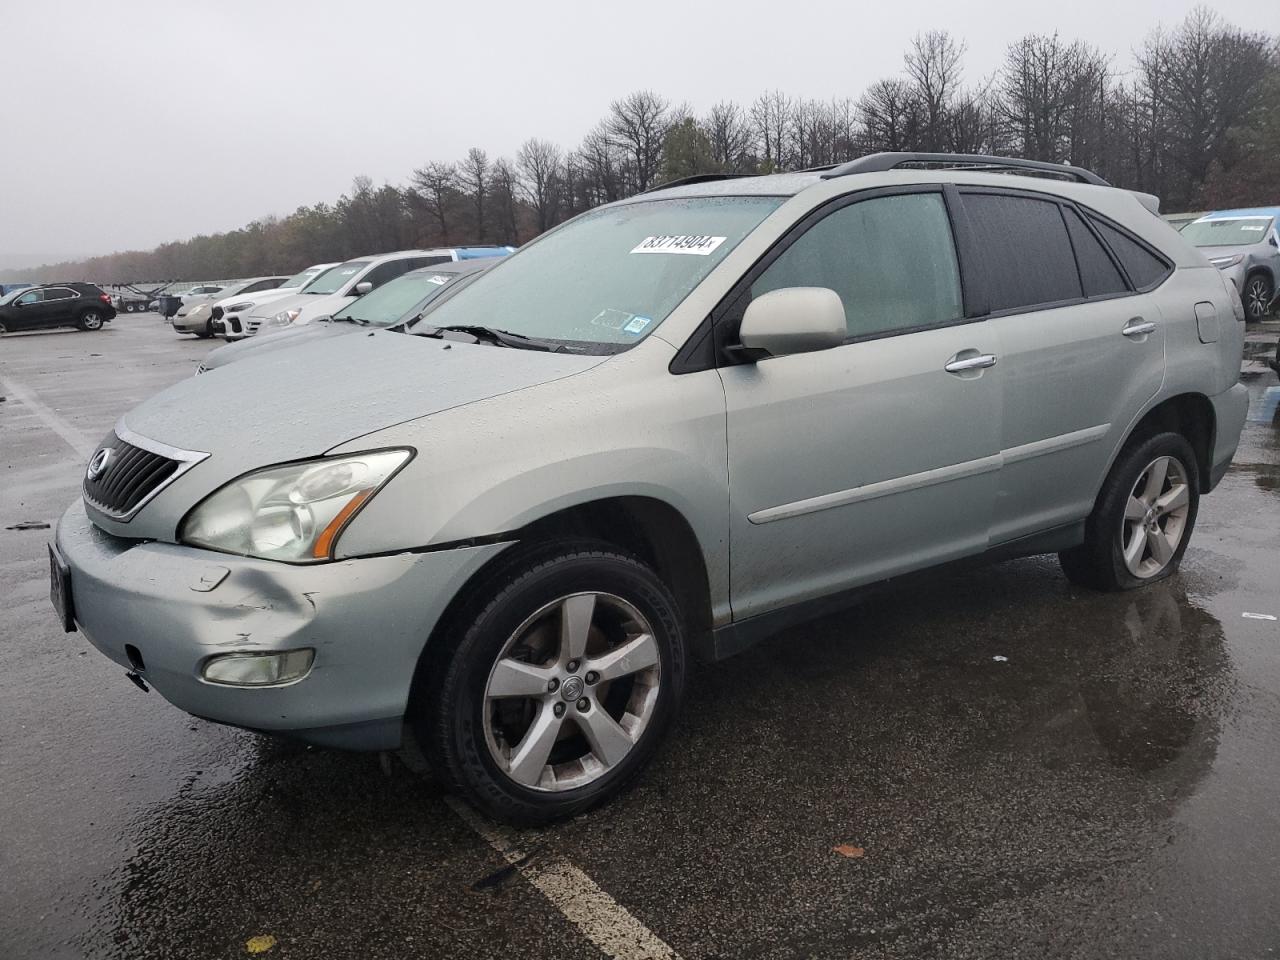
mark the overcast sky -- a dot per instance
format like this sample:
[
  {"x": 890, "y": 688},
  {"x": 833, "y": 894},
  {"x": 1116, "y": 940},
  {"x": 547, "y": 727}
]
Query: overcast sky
[{"x": 230, "y": 110}]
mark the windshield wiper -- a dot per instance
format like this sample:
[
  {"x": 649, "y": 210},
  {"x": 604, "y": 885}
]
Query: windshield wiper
[
  {"x": 502, "y": 338},
  {"x": 363, "y": 323}
]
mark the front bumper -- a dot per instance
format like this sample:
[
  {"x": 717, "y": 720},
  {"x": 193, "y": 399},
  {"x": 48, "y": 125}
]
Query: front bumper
[
  {"x": 191, "y": 322},
  {"x": 367, "y": 620}
]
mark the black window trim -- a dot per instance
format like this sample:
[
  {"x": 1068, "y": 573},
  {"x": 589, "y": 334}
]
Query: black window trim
[
  {"x": 1087, "y": 214},
  {"x": 707, "y": 347}
]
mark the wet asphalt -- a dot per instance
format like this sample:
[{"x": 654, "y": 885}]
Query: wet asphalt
[{"x": 1028, "y": 769}]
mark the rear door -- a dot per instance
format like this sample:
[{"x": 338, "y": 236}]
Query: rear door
[
  {"x": 854, "y": 463},
  {"x": 60, "y": 305},
  {"x": 1081, "y": 351}
]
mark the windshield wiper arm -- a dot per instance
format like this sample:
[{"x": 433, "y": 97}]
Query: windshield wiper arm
[
  {"x": 363, "y": 323},
  {"x": 493, "y": 335}
]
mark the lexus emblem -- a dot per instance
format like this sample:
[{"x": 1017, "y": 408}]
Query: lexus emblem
[{"x": 98, "y": 463}]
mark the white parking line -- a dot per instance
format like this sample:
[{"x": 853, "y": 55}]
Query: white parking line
[
  {"x": 599, "y": 917},
  {"x": 74, "y": 438}
]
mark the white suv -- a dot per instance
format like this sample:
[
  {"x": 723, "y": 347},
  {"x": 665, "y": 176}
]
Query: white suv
[
  {"x": 337, "y": 287},
  {"x": 230, "y": 314}
]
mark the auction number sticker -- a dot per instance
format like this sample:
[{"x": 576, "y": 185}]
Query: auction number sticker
[{"x": 698, "y": 246}]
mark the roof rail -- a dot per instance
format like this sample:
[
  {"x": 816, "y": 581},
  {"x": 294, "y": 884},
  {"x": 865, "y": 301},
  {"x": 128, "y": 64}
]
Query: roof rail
[
  {"x": 880, "y": 162},
  {"x": 697, "y": 178}
]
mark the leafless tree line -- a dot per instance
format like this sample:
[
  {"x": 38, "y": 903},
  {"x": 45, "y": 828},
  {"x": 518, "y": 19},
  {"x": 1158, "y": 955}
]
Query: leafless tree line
[{"x": 1194, "y": 119}]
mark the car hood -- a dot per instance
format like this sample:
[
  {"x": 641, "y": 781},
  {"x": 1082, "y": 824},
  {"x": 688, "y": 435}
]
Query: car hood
[
  {"x": 267, "y": 342},
  {"x": 297, "y": 403},
  {"x": 314, "y": 304},
  {"x": 1215, "y": 253},
  {"x": 262, "y": 296}
]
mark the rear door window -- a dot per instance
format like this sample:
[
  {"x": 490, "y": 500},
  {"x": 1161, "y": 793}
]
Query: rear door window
[
  {"x": 1098, "y": 271},
  {"x": 1145, "y": 269},
  {"x": 891, "y": 259},
  {"x": 1025, "y": 249}
]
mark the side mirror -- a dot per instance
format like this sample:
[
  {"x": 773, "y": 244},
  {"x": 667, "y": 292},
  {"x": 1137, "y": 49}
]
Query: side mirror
[
  {"x": 1272, "y": 240},
  {"x": 794, "y": 320},
  {"x": 363, "y": 287}
]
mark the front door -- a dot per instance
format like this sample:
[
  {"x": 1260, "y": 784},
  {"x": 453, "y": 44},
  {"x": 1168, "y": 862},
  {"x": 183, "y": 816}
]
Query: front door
[{"x": 873, "y": 458}]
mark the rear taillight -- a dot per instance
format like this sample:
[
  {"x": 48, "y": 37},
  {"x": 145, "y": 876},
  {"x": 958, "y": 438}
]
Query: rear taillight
[{"x": 104, "y": 298}]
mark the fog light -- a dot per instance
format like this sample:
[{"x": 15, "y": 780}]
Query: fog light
[{"x": 259, "y": 669}]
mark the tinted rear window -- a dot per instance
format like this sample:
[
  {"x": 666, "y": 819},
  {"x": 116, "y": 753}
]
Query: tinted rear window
[
  {"x": 1145, "y": 269},
  {"x": 1027, "y": 254},
  {"x": 1098, "y": 271}
]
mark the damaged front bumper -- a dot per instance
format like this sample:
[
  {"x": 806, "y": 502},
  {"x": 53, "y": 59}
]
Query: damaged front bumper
[{"x": 164, "y": 610}]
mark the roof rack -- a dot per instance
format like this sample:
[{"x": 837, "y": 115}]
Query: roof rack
[
  {"x": 880, "y": 162},
  {"x": 697, "y": 178}
]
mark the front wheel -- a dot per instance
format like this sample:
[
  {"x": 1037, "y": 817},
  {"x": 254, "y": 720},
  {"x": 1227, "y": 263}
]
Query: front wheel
[
  {"x": 1143, "y": 517},
  {"x": 90, "y": 320},
  {"x": 564, "y": 676},
  {"x": 1258, "y": 291}
]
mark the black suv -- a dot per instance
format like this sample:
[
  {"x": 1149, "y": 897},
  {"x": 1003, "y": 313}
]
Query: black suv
[{"x": 82, "y": 305}]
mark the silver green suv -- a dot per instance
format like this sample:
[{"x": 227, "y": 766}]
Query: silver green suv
[{"x": 667, "y": 428}]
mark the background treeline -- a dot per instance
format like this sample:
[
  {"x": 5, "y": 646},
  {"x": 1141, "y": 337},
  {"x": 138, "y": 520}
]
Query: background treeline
[{"x": 1195, "y": 119}]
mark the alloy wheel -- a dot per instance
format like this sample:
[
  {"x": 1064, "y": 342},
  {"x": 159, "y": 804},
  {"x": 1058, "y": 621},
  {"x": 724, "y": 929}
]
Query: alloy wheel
[
  {"x": 91, "y": 319},
  {"x": 572, "y": 691},
  {"x": 1155, "y": 517},
  {"x": 1256, "y": 298}
]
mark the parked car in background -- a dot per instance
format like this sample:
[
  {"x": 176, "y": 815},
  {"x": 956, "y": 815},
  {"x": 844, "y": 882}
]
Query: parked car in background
[
  {"x": 513, "y": 529},
  {"x": 399, "y": 304},
  {"x": 197, "y": 293},
  {"x": 1245, "y": 246},
  {"x": 228, "y": 315},
  {"x": 8, "y": 288},
  {"x": 82, "y": 305},
  {"x": 1180, "y": 220},
  {"x": 338, "y": 286},
  {"x": 196, "y": 315}
]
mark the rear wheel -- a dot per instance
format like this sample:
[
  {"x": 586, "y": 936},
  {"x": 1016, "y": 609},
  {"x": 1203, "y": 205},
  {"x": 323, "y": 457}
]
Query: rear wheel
[
  {"x": 1258, "y": 291},
  {"x": 90, "y": 320},
  {"x": 3, "y": 329},
  {"x": 1142, "y": 520},
  {"x": 567, "y": 669}
]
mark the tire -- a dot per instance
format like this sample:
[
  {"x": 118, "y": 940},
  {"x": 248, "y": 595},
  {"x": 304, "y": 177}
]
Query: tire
[
  {"x": 3, "y": 329},
  {"x": 90, "y": 320},
  {"x": 206, "y": 333},
  {"x": 1126, "y": 510},
  {"x": 481, "y": 735},
  {"x": 1258, "y": 291},
  {"x": 129, "y": 308}
]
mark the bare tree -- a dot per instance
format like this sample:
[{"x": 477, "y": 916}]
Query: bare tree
[
  {"x": 504, "y": 189},
  {"x": 637, "y": 126},
  {"x": 730, "y": 136},
  {"x": 434, "y": 186},
  {"x": 540, "y": 162},
  {"x": 769, "y": 114},
  {"x": 933, "y": 71},
  {"x": 886, "y": 116},
  {"x": 473, "y": 173}
]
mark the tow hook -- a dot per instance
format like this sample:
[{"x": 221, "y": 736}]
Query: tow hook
[{"x": 136, "y": 679}]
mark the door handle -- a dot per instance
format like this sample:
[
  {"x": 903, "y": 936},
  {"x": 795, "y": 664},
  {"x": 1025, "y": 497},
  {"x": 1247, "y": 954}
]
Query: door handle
[
  {"x": 1137, "y": 327},
  {"x": 970, "y": 363}
]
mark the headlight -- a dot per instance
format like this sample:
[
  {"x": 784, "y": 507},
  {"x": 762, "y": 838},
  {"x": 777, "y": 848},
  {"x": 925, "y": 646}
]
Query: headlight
[
  {"x": 293, "y": 513},
  {"x": 1223, "y": 262},
  {"x": 285, "y": 317},
  {"x": 237, "y": 307}
]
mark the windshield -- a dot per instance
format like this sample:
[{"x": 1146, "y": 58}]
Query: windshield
[
  {"x": 300, "y": 279},
  {"x": 397, "y": 299},
  {"x": 1234, "y": 232},
  {"x": 13, "y": 294},
  {"x": 609, "y": 277},
  {"x": 333, "y": 280}
]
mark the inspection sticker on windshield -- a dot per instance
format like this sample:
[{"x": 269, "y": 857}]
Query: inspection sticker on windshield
[
  {"x": 439, "y": 280},
  {"x": 699, "y": 246},
  {"x": 637, "y": 325}
]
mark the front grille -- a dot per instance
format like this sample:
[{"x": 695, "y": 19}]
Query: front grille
[{"x": 129, "y": 476}]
